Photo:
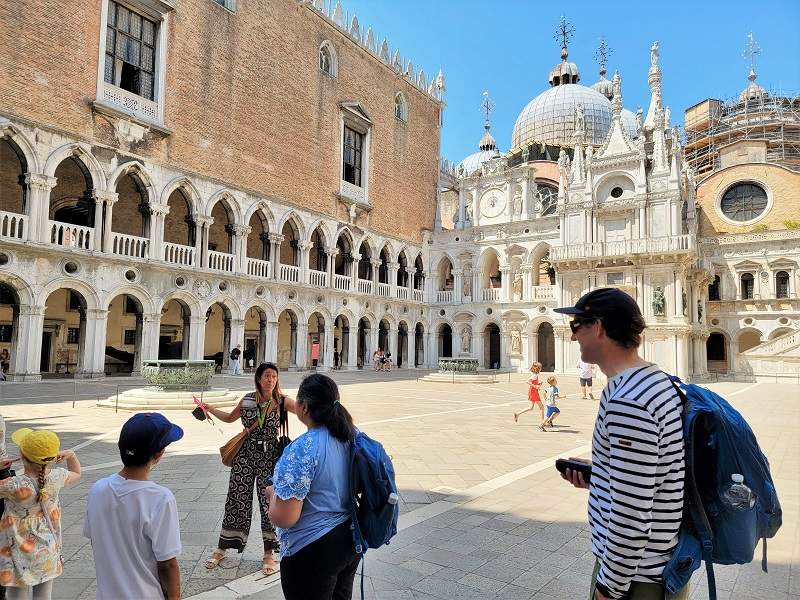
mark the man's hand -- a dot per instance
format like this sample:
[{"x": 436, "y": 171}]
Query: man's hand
[{"x": 576, "y": 479}]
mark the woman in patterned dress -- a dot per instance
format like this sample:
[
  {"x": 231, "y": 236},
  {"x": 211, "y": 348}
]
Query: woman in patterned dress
[{"x": 253, "y": 464}]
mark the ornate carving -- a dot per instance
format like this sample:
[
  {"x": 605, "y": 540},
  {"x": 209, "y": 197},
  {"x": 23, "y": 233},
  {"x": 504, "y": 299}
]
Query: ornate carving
[{"x": 202, "y": 288}]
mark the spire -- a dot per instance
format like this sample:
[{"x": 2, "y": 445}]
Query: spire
[
  {"x": 654, "y": 81},
  {"x": 603, "y": 85},
  {"x": 753, "y": 90},
  {"x": 487, "y": 142},
  {"x": 660, "y": 162},
  {"x": 617, "y": 141},
  {"x": 564, "y": 72}
]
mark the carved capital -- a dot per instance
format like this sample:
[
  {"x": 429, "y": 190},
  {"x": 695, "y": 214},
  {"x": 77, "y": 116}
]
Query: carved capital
[
  {"x": 242, "y": 230},
  {"x": 204, "y": 220},
  {"x": 109, "y": 198},
  {"x": 39, "y": 182},
  {"x": 276, "y": 238},
  {"x": 305, "y": 246}
]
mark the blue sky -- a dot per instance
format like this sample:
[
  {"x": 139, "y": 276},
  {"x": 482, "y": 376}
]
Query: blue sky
[{"x": 507, "y": 47}]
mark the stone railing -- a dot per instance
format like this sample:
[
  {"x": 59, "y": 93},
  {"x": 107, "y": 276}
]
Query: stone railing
[
  {"x": 317, "y": 278},
  {"x": 419, "y": 295},
  {"x": 171, "y": 374},
  {"x": 543, "y": 292},
  {"x": 444, "y": 296},
  {"x": 12, "y": 225},
  {"x": 342, "y": 282},
  {"x": 779, "y": 344},
  {"x": 221, "y": 261},
  {"x": 458, "y": 365},
  {"x": 290, "y": 273},
  {"x": 353, "y": 192},
  {"x": 402, "y": 293},
  {"x": 178, "y": 254},
  {"x": 665, "y": 244},
  {"x": 365, "y": 286},
  {"x": 70, "y": 236},
  {"x": 259, "y": 268},
  {"x": 490, "y": 294},
  {"x": 129, "y": 245},
  {"x": 384, "y": 290},
  {"x": 132, "y": 103}
]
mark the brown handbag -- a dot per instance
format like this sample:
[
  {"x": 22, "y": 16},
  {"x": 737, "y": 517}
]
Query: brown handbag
[{"x": 231, "y": 448}]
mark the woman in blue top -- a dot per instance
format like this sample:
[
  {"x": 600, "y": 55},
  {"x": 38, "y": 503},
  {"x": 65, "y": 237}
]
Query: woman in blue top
[{"x": 310, "y": 502}]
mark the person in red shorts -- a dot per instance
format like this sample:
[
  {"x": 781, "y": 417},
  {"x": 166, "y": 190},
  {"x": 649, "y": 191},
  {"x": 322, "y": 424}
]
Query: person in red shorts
[{"x": 534, "y": 383}]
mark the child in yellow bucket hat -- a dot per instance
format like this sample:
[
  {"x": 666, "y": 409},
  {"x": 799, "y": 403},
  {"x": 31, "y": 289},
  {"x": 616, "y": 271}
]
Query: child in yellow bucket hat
[{"x": 30, "y": 528}]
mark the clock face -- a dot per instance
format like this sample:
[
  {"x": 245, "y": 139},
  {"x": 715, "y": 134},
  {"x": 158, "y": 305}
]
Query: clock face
[{"x": 492, "y": 204}]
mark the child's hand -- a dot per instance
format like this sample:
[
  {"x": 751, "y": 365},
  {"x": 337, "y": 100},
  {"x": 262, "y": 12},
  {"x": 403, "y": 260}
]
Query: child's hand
[
  {"x": 5, "y": 463},
  {"x": 62, "y": 456}
]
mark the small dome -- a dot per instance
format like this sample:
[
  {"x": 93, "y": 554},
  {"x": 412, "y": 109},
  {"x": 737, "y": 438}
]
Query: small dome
[
  {"x": 753, "y": 91},
  {"x": 550, "y": 117},
  {"x": 629, "y": 123},
  {"x": 604, "y": 86},
  {"x": 473, "y": 162}
]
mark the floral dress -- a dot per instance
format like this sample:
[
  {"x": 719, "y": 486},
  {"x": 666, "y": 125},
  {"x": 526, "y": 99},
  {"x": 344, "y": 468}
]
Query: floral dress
[
  {"x": 252, "y": 465},
  {"x": 30, "y": 541}
]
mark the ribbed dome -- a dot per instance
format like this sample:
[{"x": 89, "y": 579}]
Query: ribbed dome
[
  {"x": 550, "y": 117},
  {"x": 629, "y": 123},
  {"x": 474, "y": 161}
]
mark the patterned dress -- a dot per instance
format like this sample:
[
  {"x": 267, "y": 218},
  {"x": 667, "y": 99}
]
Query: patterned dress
[{"x": 252, "y": 465}]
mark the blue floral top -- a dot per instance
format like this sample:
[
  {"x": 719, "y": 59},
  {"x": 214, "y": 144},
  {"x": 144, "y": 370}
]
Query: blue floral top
[{"x": 314, "y": 468}]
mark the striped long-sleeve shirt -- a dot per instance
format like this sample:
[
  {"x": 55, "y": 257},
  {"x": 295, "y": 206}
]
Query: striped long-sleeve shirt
[{"x": 636, "y": 490}]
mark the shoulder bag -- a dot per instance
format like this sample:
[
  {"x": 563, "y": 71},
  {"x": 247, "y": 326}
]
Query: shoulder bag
[{"x": 231, "y": 448}]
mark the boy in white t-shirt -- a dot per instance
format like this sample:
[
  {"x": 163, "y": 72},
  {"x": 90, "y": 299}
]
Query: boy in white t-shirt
[
  {"x": 132, "y": 521},
  {"x": 551, "y": 410},
  {"x": 585, "y": 373}
]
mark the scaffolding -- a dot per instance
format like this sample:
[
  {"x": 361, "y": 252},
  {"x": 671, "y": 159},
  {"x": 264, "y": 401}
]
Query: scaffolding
[{"x": 771, "y": 118}]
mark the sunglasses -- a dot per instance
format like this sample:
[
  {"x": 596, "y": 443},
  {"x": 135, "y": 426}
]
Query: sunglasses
[{"x": 575, "y": 324}]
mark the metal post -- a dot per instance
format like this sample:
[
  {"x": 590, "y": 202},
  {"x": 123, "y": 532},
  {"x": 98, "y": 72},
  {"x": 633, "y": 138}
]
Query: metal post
[{"x": 116, "y": 402}]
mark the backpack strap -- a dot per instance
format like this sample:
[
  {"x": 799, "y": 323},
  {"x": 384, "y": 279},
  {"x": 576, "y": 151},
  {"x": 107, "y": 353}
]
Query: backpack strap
[{"x": 693, "y": 504}]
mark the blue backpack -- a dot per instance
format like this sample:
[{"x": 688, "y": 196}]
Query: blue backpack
[
  {"x": 373, "y": 493},
  {"x": 718, "y": 443}
]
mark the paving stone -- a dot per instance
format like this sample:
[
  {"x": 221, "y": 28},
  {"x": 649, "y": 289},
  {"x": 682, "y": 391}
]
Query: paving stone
[{"x": 446, "y": 558}]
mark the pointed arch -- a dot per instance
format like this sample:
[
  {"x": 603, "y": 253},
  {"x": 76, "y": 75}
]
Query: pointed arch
[
  {"x": 81, "y": 152},
  {"x": 321, "y": 226},
  {"x": 230, "y": 200},
  {"x": 140, "y": 171},
  {"x": 297, "y": 222},
  {"x": 263, "y": 207},
  {"x": 12, "y": 134},
  {"x": 189, "y": 190}
]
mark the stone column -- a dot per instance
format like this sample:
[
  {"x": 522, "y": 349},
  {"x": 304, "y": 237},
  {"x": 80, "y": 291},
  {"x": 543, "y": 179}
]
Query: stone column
[
  {"x": 352, "y": 347},
  {"x": 38, "y": 206},
  {"x": 151, "y": 330},
  {"x": 391, "y": 341},
  {"x": 26, "y": 356},
  {"x": 271, "y": 343},
  {"x": 561, "y": 336},
  {"x": 462, "y": 195},
  {"x": 202, "y": 223},
  {"x": 158, "y": 213},
  {"x": 197, "y": 336},
  {"x": 240, "y": 233},
  {"x": 94, "y": 344},
  {"x": 392, "y": 268},
  {"x": 527, "y": 210},
  {"x": 301, "y": 357},
  {"x": 682, "y": 358},
  {"x": 527, "y": 292},
  {"x": 331, "y": 253},
  {"x": 103, "y": 231},
  {"x": 431, "y": 349},
  {"x": 678, "y": 295},
  {"x": 505, "y": 284},
  {"x": 505, "y": 343},
  {"x": 373, "y": 341},
  {"x": 458, "y": 289},
  {"x": 642, "y": 222},
  {"x": 354, "y": 272},
  {"x": 376, "y": 263},
  {"x": 305, "y": 248},
  {"x": 327, "y": 349},
  {"x": 275, "y": 240}
]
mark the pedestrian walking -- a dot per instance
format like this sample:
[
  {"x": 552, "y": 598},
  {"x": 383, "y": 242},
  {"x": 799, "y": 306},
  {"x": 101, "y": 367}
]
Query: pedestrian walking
[
  {"x": 585, "y": 374},
  {"x": 534, "y": 384},
  {"x": 236, "y": 365},
  {"x": 30, "y": 529},
  {"x": 260, "y": 412},
  {"x": 310, "y": 500},
  {"x": 132, "y": 522},
  {"x": 551, "y": 409},
  {"x": 636, "y": 488}
]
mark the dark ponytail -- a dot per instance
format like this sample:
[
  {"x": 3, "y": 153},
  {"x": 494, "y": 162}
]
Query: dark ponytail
[{"x": 320, "y": 395}]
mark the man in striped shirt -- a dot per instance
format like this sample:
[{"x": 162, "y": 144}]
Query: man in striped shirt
[{"x": 636, "y": 487}]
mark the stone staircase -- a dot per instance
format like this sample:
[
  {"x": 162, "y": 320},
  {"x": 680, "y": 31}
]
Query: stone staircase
[{"x": 776, "y": 358}]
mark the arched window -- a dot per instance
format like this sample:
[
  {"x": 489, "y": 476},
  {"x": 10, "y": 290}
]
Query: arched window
[
  {"x": 401, "y": 107},
  {"x": 327, "y": 59},
  {"x": 548, "y": 198},
  {"x": 781, "y": 284},
  {"x": 747, "y": 286}
]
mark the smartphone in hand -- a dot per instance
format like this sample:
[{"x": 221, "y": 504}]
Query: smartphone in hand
[{"x": 562, "y": 464}]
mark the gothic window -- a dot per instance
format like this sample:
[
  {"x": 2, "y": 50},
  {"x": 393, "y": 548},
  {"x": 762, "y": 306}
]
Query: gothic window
[
  {"x": 713, "y": 289},
  {"x": 327, "y": 59},
  {"x": 401, "y": 108},
  {"x": 744, "y": 202},
  {"x": 781, "y": 284},
  {"x": 548, "y": 197},
  {"x": 130, "y": 60},
  {"x": 352, "y": 156},
  {"x": 747, "y": 286}
]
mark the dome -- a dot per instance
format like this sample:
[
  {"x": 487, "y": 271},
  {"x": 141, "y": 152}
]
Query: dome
[
  {"x": 604, "y": 86},
  {"x": 629, "y": 123},
  {"x": 550, "y": 117},
  {"x": 474, "y": 161}
]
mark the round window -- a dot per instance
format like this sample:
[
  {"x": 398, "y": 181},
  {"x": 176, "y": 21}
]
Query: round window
[
  {"x": 130, "y": 275},
  {"x": 441, "y": 313},
  {"x": 616, "y": 192},
  {"x": 744, "y": 202},
  {"x": 4, "y": 259},
  {"x": 223, "y": 285},
  {"x": 260, "y": 291},
  {"x": 71, "y": 268},
  {"x": 180, "y": 281},
  {"x": 488, "y": 311}
]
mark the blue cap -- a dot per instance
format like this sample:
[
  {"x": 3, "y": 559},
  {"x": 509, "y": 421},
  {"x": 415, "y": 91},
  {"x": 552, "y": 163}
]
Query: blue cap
[{"x": 146, "y": 434}]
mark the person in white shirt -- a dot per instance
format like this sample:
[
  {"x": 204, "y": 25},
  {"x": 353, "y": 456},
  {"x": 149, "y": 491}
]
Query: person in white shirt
[
  {"x": 585, "y": 373},
  {"x": 132, "y": 522}
]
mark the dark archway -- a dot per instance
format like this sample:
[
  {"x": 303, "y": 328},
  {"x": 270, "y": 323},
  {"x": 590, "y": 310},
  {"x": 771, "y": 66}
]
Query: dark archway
[
  {"x": 287, "y": 339},
  {"x": 217, "y": 341},
  {"x": 64, "y": 351},
  {"x": 174, "y": 331},
  {"x": 364, "y": 327},
  {"x": 717, "y": 353},
  {"x": 402, "y": 344},
  {"x": 445, "y": 341},
  {"x": 546, "y": 347},
  {"x": 9, "y": 329},
  {"x": 491, "y": 346},
  {"x": 123, "y": 335},
  {"x": 419, "y": 345}
]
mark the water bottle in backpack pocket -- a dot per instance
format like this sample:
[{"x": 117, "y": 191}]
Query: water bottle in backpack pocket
[{"x": 734, "y": 522}]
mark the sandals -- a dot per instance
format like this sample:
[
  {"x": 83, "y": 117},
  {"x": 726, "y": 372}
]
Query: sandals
[
  {"x": 214, "y": 560},
  {"x": 269, "y": 566}
]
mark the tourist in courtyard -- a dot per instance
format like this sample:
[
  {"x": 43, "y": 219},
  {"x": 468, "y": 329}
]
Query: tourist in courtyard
[
  {"x": 310, "y": 500},
  {"x": 132, "y": 521},
  {"x": 534, "y": 383},
  {"x": 634, "y": 519},
  {"x": 236, "y": 365},
  {"x": 259, "y": 411},
  {"x": 378, "y": 358},
  {"x": 30, "y": 529},
  {"x": 551, "y": 411},
  {"x": 585, "y": 374}
]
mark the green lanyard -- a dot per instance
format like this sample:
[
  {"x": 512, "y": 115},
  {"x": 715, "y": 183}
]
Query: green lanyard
[{"x": 261, "y": 416}]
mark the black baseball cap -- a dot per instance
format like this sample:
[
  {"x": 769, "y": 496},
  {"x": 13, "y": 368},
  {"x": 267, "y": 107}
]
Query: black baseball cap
[
  {"x": 146, "y": 434},
  {"x": 609, "y": 304}
]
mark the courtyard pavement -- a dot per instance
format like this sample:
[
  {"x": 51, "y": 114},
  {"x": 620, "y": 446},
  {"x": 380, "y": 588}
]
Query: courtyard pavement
[{"x": 484, "y": 514}]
